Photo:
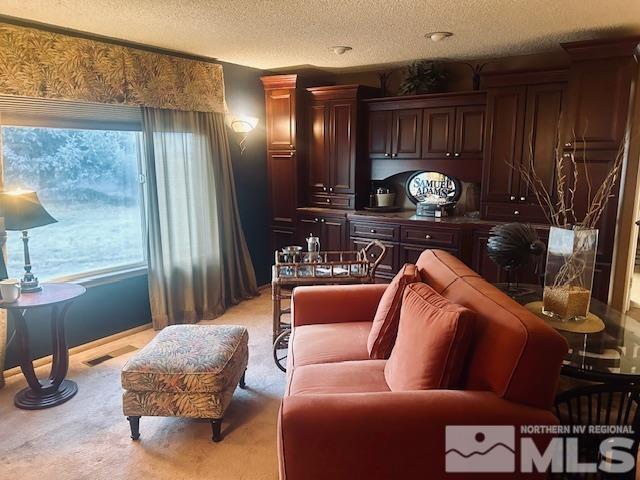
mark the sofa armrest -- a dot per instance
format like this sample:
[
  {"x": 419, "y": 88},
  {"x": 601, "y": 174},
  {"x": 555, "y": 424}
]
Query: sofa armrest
[
  {"x": 335, "y": 303},
  {"x": 389, "y": 434}
]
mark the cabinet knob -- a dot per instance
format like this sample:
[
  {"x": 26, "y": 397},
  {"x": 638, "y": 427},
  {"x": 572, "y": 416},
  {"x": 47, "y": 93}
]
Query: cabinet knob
[
  {"x": 373, "y": 230},
  {"x": 512, "y": 198},
  {"x": 394, "y": 154},
  {"x": 428, "y": 237},
  {"x": 331, "y": 189},
  {"x": 316, "y": 220},
  {"x": 456, "y": 154},
  {"x": 291, "y": 145},
  {"x": 522, "y": 199},
  {"x": 322, "y": 220},
  {"x": 387, "y": 155},
  {"x": 516, "y": 212},
  {"x": 447, "y": 154},
  {"x": 568, "y": 144},
  {"x": 324, "y": 189},
  {"x": 328, "y": 200},
  {"x": 291, "y": 154}
]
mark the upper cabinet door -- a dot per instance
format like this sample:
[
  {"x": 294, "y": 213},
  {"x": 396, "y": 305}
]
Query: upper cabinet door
[
  {"x": 544, "y": 107},
  {"x": 282, "y": 170},
  {"x": 437, "y": 132},
  {"x": 281, "y": 117},
  {"x": 469, "y": 136},
  {"x": 407, "y": 129},
  {"x": 380, "y": 134},
  {"x": 598, "y": 103},
  {"x": 342, "y": 157},
  {"x": 319, "y": 147},
  {"x": 503, "y": 149}
]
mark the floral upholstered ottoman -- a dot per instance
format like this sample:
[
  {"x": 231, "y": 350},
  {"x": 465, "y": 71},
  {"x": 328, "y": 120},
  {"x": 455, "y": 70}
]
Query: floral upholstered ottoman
[{"x": 186, "y": 371}]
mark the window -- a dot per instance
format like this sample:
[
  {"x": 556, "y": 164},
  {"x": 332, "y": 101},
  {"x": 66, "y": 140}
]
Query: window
[{"x": 88, "y": 179}]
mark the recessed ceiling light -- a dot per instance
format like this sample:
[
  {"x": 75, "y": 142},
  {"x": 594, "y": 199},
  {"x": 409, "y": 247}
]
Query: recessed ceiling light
[
  {"x": 340, "y": 49},
  {"x": 438, "y": 36}
]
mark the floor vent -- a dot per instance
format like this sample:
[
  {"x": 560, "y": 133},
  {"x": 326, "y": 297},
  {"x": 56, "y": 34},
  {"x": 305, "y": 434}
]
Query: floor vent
[{"x": 108, "y": 356}]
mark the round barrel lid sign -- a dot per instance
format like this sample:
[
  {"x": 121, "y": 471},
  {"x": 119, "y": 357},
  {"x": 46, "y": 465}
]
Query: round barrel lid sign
[{"x": 433, "y": 187}]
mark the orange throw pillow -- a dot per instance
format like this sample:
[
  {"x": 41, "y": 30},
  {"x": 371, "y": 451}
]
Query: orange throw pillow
[
  {"x": 434, "y": 337},
  {"x": 385, "y": 324}
]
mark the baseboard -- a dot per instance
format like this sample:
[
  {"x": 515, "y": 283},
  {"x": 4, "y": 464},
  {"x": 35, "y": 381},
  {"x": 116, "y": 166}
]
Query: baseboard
[{"x": 81, "y": 348}]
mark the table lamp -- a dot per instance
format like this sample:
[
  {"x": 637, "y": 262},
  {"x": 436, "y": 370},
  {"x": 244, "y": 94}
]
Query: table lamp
[{"x": 22, "y": 211}]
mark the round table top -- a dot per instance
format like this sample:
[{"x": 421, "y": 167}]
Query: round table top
[
  {"x": 51, "y": 294},
  {"x": 611, "y": 354}
]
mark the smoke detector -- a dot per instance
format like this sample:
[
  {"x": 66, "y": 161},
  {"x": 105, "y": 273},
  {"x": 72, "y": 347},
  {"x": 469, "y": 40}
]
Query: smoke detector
[
  {"x": 340, "y": 49},
  {"x": 438, "y": 36}
]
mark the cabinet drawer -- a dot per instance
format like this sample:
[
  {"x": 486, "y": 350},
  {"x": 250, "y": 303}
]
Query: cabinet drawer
[
  {"x": 332, "y": 201},
  {"x": 389, "y": 264},
  {"x": 411, "y": 253},
  {"x": 379, "y": 231},
  {"x": 513, "y": 212},
  {"x": 435, "y": 237}
]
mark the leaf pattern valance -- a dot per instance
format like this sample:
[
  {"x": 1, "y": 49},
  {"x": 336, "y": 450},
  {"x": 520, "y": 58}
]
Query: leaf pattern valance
[{"x": 37, "y": 63}]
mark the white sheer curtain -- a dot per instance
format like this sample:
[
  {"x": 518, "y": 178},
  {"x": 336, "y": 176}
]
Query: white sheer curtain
[{"x": 198, "y": 259}]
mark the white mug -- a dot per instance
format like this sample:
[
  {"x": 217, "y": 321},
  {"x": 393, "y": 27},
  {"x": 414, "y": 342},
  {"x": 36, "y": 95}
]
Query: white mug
[{"x": 10, "y": 290}]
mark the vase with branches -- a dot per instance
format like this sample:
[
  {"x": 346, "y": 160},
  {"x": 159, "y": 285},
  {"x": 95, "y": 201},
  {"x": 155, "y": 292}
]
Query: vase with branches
[{"x": 573, "y": 236}]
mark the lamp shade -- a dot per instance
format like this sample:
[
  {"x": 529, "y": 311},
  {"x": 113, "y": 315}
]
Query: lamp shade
[{"x": 22, "y": 210}]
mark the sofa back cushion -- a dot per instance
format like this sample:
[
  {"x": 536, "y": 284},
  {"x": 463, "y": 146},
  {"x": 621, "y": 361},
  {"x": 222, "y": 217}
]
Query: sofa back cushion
[
  {"x": 385, "y": 323},
  {"x": 433, "y": 340},
  {"x": 513, "y": 353}
]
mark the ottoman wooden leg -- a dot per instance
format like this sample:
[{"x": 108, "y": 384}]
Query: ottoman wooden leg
[
  {"x": 242, "y": 380},
  {"x": 216, "y": 425},
  {"x": 134, "y": 423}
]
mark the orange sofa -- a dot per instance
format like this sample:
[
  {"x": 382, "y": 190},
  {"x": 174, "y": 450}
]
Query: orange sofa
[{"x": 339, "y": 420}]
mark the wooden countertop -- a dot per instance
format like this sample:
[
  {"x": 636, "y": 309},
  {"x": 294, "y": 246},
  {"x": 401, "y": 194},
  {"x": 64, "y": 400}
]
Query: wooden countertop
[{"x": 403, "y": 217}]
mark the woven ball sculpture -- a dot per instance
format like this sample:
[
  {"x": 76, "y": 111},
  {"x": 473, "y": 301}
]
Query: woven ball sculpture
[{"x": 513, "y": 244}]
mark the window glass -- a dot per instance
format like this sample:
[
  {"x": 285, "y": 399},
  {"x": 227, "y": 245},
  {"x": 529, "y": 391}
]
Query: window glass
[{"x": 88, "y": 180}]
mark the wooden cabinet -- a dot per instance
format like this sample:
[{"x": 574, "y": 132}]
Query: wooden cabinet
[
  {"x": 522, "y": 124},
  {"x": 318, "y": 168},
  {"x": 601, "y": 77},
  {"x": 404, "y": 243},
  {"x": 453, "y": 132},
  {"x": 405, "y": 140},
  {"x": 380, "y": 128},
  {"x": 282, "y": 170},
  {"x": 282, "y": 158},
  {"x": 281, "y": 237},
  {"x": 503, "y": 148},
  {"x": 438, "y": 132},
  {"x": 281, "y": 114},
  {"x": 389, "y": 265},
  {"x": 469, "y": 132},
  {"x": 331, "y": 230},
  {"x": 441, "y": 132},
  {"x": 333, "y": 139}
]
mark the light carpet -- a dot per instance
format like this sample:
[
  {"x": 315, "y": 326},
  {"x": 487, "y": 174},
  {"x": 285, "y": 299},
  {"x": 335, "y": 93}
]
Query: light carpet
[{"x": 88, "y": 437}]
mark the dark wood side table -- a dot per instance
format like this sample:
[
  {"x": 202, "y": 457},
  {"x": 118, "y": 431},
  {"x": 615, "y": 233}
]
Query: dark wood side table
[{"x": 54, "y": 390}]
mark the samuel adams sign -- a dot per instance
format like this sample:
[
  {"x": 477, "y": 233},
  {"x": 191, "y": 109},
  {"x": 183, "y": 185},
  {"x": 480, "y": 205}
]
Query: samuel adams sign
[{"x": 433, "y": 187}]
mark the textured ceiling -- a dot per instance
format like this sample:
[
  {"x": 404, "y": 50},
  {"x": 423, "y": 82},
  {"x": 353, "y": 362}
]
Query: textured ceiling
[{"x": 272, "y": 34}]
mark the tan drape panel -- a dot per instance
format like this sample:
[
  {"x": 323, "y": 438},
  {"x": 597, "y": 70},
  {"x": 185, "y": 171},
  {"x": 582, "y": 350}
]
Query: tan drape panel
[{"x": 199, "y": 263}]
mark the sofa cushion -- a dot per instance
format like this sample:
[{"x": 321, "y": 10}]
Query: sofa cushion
[
  {"x": 514, "y": 354},
  {"x": 329, "y": 342},
  {"x": 433, "y": 340},
  {"x": 363, "y": 376},
  {"x": 385, "y": 323}
]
